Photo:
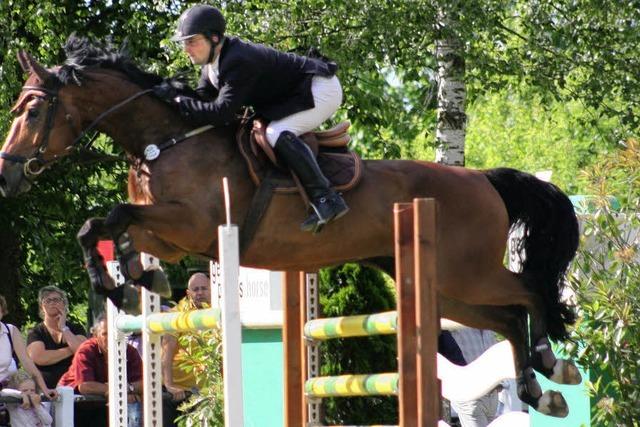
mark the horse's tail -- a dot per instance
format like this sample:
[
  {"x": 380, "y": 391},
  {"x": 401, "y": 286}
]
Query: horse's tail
[{"x": 549, "y": 240}]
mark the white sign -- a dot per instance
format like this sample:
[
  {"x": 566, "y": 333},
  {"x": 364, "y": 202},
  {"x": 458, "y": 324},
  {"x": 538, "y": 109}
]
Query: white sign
[{"x": 260, "y": 295}]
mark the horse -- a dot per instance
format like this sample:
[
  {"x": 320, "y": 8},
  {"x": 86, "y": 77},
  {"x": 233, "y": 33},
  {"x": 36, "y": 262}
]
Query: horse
[{"x": 176, "y": 203}]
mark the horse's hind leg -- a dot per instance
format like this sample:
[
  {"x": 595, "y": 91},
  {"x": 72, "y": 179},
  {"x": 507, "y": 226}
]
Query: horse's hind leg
[
  {"x": 543, "y": 360},
  {"x": 506, "y": 288},
  {"x": 510, "y": 321}
]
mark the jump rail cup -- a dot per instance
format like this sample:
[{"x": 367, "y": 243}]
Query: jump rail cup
[{"x": 417, "y": 329}]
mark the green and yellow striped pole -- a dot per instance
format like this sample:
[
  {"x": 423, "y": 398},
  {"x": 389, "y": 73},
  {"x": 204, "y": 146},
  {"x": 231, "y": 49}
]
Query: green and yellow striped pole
[
  {"x": 172, "y": 322},
  {"x": 352, "y": 326},
  {"x": 353, "y": 385}
]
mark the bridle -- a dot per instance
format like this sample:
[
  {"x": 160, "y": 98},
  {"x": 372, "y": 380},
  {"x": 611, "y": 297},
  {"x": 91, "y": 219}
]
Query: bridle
[{"x": 34, "y": 165}]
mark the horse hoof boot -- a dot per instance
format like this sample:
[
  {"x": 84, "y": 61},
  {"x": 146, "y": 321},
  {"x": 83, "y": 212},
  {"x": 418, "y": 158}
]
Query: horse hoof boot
[
  {"x": 565, "y": 372},
  {"x": 552, "y": 403},
  {"x": 129, "y": 259}
]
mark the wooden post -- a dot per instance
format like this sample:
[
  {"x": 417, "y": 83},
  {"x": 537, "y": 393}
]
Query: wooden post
[
  {"x": 426, "y": 306},
  {"x": 292, "y": 343},
  {"x": 404, "y": 248}
]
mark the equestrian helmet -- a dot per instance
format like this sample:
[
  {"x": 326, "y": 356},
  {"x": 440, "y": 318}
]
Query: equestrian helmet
[{"x": 200, "y": 19}]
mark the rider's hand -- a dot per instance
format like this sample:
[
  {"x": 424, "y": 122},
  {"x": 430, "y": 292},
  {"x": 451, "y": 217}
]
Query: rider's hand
[{"x": 165, "y": 91}]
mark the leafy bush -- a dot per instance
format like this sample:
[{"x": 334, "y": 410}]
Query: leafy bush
[
  {"x": 203, "y": 355},
  {"x": 606, "y": 279},
  {"x": 349, "y": 290}
]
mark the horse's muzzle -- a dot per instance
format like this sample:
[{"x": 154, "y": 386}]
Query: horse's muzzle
[{"x": 12, "y": 180}]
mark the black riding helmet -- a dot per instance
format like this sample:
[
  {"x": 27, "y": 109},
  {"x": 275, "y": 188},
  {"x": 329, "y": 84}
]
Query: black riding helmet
[{"x": 200, "y": 19}]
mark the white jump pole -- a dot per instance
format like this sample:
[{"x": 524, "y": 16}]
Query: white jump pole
[
  {"x": 228, "y": 250},
  {"x": 151, "y": 363},
  {"x": 117, "y": 359}
]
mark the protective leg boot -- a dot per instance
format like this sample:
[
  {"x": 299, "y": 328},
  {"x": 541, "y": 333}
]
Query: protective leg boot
[{"x": 327, "y": 205}]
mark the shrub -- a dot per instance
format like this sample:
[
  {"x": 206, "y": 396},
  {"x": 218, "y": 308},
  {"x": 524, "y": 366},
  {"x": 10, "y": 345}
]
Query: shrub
[{"x": 606, "y": 279}]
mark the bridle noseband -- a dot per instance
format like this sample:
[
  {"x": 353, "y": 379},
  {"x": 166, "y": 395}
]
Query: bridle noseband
[{"x": 34, "y": 165}]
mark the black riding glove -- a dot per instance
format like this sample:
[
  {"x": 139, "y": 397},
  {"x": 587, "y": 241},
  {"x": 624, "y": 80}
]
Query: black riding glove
[{"x": 165, "y": 91}]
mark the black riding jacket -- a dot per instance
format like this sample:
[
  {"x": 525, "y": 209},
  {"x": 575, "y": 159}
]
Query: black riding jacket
[{"x": 276, "y": 84}]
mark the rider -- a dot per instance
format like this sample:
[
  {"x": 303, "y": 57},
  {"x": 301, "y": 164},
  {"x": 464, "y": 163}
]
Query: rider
[{"x": 295, "y": 93}]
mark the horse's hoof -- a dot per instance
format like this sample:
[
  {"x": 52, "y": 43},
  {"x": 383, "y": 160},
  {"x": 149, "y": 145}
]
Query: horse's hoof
[
  {"x": 130, "y": 299},
  {"x": 552, "y": 403},
  {"x": 125, "y": 298},
  {"x": 565, "y": 372},
  {"x": 156, "y": 281},
  {"x": 87, "y": 236}
]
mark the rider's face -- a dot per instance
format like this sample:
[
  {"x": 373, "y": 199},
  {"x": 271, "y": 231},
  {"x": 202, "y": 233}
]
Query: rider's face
[{"x": 198, "y": 49}]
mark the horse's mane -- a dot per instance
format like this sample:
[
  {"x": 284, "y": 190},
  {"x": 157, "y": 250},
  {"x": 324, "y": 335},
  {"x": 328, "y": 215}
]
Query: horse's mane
[{"x": 83, "y": 53}]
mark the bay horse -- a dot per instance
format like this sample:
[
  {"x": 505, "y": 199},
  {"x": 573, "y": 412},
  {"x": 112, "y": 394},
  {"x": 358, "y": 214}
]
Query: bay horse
[{"x": 176, "y": 203}]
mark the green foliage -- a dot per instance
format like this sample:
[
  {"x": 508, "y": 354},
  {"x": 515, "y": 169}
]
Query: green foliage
[
  {"x": 45, "y": 220},
  {"x": 606, "y": 279},
  {"x": 348, "y": 290},
  {"x": 203, "y": 356},
  {"x": 518, "y": 128}
]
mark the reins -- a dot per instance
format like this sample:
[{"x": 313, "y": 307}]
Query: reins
[{"x": 34, "y": 165}]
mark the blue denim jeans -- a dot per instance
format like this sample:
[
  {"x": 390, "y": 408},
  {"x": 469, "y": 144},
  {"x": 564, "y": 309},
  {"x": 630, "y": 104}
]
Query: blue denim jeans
[{"x": 134, "y": 414}]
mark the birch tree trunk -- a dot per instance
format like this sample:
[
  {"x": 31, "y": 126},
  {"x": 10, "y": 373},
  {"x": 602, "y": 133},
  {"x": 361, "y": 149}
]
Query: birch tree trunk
[{"x": 452, "y": 120}]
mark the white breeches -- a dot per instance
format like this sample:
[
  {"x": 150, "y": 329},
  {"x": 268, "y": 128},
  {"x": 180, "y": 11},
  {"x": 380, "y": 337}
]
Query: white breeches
[{"x": 327, "y": 97}]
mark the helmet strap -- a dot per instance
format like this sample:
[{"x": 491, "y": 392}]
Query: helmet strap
[{"x": 214, "y": 45}]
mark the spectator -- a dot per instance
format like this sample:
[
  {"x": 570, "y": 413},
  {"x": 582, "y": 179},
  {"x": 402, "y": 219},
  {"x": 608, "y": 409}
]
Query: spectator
[
  {"x": 178, "y": 381},
  {"x": 13, "y": 351},
  {"x": 448, "y": 347},
  {"x": 32, "y": 412},
  {"x": 52, "y": 343},
  {"x": 479, "y": 412},
  {"x": 88, "y": 374}
]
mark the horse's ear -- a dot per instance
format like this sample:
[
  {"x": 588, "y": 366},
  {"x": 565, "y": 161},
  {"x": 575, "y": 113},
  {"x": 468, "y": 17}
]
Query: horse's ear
[
  {"x": 29, "y": 64},
  {"x": 22, "y": 59}
]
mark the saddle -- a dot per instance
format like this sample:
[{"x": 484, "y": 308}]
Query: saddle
[{"x": 343, "y": 168}]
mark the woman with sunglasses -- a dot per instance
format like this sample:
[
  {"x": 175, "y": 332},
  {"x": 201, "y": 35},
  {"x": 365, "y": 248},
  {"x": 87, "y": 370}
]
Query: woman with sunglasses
[{"x": 53, "y": 342}]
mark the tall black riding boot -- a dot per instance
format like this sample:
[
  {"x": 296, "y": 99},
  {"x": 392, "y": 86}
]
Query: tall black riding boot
[{"x": 327, "y": 205}]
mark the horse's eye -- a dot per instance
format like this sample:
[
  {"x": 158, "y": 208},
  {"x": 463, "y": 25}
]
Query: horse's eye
[{"x": 33, "y": 113}]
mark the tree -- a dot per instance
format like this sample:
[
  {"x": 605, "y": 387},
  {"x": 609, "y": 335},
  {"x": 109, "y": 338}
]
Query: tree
[{"x": 450, "y": 128}]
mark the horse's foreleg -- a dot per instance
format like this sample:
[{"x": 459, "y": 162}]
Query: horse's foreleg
[
  {"x": 101, "y": 282},
  {"x": 90, "y": 232},
  {"x": 147, "y": 242},
  {"x": 505, "y": 288},
  {"x": 156, "y": 229}
]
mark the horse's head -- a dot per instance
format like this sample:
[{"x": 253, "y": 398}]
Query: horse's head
[{"x": 40, "y": 133}]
